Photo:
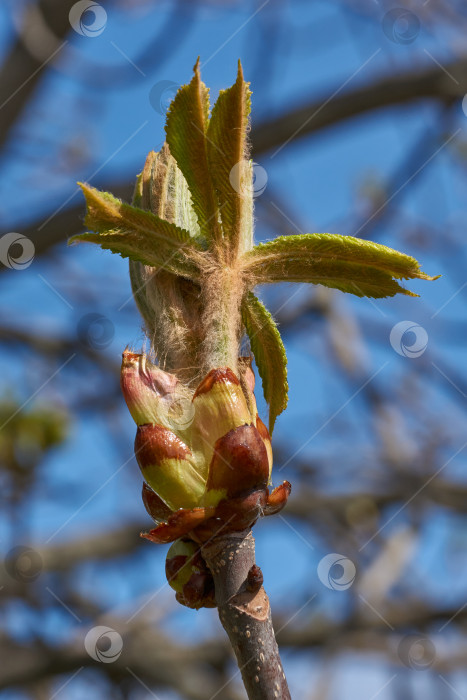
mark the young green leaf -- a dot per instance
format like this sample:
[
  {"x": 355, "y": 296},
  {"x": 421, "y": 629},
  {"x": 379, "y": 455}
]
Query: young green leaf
[
  {"x": 350, "y": 264},
  {"x": 168, "y": 303},
  {"x": 186, "y": 127},
  {"x": 135, "y": 233},
  {"x": 141, "y": 248},
  {"x": 106, "y": 212},
  {"x": 227, "y": 158},
  {"x": 269, "y": 353},
  {"x": 164, "y": 191},
  {"x": 138, "y": 283}
]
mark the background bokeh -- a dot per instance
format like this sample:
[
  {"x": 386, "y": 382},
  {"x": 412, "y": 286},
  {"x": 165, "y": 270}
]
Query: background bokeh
[{"x": 359, "y": 124}]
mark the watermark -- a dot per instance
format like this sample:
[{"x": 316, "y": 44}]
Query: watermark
[
  {"x": 103, "y": 644},
  {"x": 181, "y": 410},
  {"x": 464, "y": 105},
  {"x": 401, "y": 26},
  {"x": 88, "y": 18},
  {"x": 162, "y": 94},
  {"x": 16, "y": 251},
  {"x": 248, "y": 178},
  {"x": 24, "y": 564},
  {"x": 417, "y": 652},
  {"x": 336, "y": 572},
  {"x": 95, "y": 331},
  {"x": 408, "y": 339}
]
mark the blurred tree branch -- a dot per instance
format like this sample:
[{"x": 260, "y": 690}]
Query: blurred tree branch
[
  {"x": 204, "y": 666},
  {"x": 43, "y": 28},
  {"x": 400, "y": 89}
]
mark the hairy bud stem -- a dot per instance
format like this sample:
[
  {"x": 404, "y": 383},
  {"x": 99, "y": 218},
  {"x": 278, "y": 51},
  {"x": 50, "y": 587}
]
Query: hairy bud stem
[{"x": 222, "y": 292}]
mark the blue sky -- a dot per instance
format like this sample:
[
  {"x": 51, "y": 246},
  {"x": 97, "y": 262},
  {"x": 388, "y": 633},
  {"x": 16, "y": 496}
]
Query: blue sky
[{"x": 318, "y": 177}]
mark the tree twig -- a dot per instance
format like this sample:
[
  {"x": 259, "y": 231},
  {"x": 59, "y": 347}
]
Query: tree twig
[{"x": 245, "y": 614}]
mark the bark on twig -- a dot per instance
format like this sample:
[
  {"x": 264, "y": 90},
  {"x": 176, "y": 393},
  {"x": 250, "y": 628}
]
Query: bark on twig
[{"x": 245, "y": 614}]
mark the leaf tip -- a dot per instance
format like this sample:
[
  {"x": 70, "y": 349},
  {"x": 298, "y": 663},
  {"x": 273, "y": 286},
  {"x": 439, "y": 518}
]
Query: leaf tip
[
  {"x": 86, "y": 189},
  {"x": 77, "y": 238},
  {"x": 431, "y": 278}
]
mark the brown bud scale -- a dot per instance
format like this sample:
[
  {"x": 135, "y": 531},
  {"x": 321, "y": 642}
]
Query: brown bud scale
[
  {"x": 278, "y": 498},
  {"x": 262, "y": 429},
  {"x": 155, "y": 506},
  {"x": 154, "y": 443},
  {"x": 222, "y": 374},
  {"x": 254, "y": 579},
  {"x": 174, "y": 565},
  {"x": 240, "y": 461}
]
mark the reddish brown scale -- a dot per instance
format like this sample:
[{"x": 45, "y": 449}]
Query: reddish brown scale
[
  {"x": 198, "y": 592},
  {"x": 155, "y": 506},
  {"x": 180, "y": 598},
  {"x": 232, "y": 514},
  {"x": 278, "y": 498},
  {"x": 178, "y": 524},
  {"x": 240, "y": 461},
  {"x": 198, "y": 561},
  {"x": 193, "y": 590},
  {"x": 208, "y": 529},
  {"x": 262, "y": 430},
  {"x": 153, "y": 443},
  {"x": 222, "y": 374},
  {"x": 174, "y": 565},
  {"x": 245, "y": 506},
  {"x": 130, "y": 356},
  {"x": 254, "y": 579},
  {"x": 208, "y": 601}
]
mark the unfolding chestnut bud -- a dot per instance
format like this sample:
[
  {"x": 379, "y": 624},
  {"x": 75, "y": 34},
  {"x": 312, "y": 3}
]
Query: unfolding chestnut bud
[
  {"x": 196, "y": 448},
  {"x": 188, "y": 574}
]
